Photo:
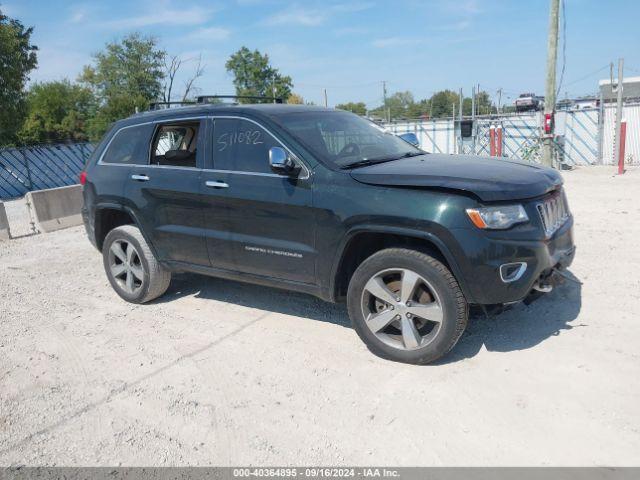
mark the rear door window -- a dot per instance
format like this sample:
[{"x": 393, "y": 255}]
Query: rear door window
[
  {"x": 176, "y": 144},
  {"x": 129, "y": 146}
]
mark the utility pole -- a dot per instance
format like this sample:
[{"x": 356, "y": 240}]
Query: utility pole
[
  {"x": 473, "y": 102},
  {"x": 384, "y": 97},
  {"x": 473, "y": 119},
  {"x": 616, "y": 148},
  {"x": 499, "y": 98},
  {"x": 326, "y": 103},
  {"x": 273, "y": 87},
  {"x": 459, "y": 137},
  {"x": 550, "y": 88}
]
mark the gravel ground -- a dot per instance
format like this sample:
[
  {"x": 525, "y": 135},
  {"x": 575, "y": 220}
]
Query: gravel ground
[{"x": 222, "y": 373}]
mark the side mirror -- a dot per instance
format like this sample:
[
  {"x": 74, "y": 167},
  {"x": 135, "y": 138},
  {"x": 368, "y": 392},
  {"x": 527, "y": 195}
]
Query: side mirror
[
  {"x": 280, "y": 160},
  {"x": 411, "y": 138}
]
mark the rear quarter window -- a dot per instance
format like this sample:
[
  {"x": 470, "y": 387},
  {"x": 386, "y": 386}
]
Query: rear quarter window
[{"x": 129, "y": 146}]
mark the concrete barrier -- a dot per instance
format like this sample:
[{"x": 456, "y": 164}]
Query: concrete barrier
[
  {"x": 56, "y": 208},
  {"x": 5, "y": 232}
]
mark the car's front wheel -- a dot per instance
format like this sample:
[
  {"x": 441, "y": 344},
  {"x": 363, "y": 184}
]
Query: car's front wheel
[
  {"x": 406, "y": 306},
  {"x": 132, "y": 269}
]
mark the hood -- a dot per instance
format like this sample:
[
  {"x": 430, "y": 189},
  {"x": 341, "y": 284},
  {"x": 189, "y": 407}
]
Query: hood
[{"x": 488, "y": 178}]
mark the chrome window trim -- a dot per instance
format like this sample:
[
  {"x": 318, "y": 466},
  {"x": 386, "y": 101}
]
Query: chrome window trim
[
  {"x": 106, "y": 148},
  {"x": 241, "y": 172},
  {"x": 306, "y": 169}
]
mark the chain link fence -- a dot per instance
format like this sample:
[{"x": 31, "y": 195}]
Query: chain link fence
[{"x": 36, "y": 167}]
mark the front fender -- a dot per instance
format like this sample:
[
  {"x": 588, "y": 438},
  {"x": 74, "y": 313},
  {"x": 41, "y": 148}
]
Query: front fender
[{"x": 444, "y": 246}]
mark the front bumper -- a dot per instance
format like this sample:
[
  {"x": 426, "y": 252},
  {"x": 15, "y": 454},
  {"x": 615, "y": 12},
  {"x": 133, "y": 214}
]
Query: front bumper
[{"x": 483, "y": 256}]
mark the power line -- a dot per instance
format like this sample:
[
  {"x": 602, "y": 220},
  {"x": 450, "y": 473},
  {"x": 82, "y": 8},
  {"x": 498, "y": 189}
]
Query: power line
[{"x": 587, "y": 75}]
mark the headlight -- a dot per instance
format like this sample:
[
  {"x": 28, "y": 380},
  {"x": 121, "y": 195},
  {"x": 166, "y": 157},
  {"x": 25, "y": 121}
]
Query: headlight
[{"x": 498, "y": 217}]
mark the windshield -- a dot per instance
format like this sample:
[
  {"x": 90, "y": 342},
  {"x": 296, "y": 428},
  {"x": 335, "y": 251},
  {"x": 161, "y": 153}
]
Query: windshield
[{"x": 344, "y": 139}]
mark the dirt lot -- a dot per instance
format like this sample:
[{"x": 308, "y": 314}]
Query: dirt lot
[{"x": 222, "y": 373}]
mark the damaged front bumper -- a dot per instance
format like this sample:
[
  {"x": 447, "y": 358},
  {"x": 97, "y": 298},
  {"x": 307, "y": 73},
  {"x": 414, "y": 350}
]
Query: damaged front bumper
[{"x": 532, "y": 266}]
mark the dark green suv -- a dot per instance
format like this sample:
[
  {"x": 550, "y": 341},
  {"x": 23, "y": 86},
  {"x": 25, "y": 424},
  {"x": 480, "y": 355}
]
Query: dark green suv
[{"x": 324, "y": 202}]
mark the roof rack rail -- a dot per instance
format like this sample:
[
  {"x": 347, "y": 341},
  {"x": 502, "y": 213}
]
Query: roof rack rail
[
  {"x": 159, "y": 105},
  {"x": 212, "y": 98}
]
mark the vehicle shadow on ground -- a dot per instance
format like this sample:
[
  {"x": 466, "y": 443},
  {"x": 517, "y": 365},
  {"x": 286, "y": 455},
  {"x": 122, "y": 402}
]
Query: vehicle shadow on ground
[
  {"x": 518, "y": 328},
  {"x": 256, "y": 296},
  {"x": 522, "y": 326}
]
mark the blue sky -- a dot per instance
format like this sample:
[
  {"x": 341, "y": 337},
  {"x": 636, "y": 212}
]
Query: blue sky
[{"x": 349, "y": 47}]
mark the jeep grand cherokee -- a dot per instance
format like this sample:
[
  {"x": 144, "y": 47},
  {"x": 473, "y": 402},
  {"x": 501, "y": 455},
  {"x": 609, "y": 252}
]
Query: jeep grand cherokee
[{"x": 324, "y": 202}]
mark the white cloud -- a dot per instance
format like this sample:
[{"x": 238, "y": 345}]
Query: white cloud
[
  {"x": 456, "y": 26},
  {"x": 312, "y": 17},
  {"x": 58, "y": 62},
  {"x": 350, "y": 7},
  {"x": 78, "y": 14},
  {"x": 210, "y": 34},
  {"x": 163, "y": 15},
  {"x": 297, "y": 16},
  {"x": 395, "y": 42},
  {"x": 461, "y": 7},
  {"x": 469, "y": 7},
  {"x": 344, "y": 32},
  {"x": 77, "y": 17}
]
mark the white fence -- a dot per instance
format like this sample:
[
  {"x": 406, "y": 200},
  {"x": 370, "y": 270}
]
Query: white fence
[{"x": 584, "y": 137}]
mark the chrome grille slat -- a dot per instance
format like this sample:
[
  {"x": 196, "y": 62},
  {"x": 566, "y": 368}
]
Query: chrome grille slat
[{"x": 553, "y": 213}]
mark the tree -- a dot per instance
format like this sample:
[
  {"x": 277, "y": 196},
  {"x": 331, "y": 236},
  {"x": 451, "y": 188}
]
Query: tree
[
  {"x": 189, "y": 85},
  {"x": 441, "y": 103},
  {"x": 399, "y": 105},
  {"x": 295, "y": 99},
  {"x": 126, "y": 77},
  {"x": 358, "y": 108},
  {"x": 172, "y": 65},
  {"x": 254, "y": 76},
  {"x": 57, "y": 111},
  {"x": 17, "y": 59},
  {"x": 419, "y": 109},
  {"x": 484, "y": 106}
]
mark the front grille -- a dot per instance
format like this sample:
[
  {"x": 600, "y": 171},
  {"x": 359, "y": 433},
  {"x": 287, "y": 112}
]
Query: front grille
[{"x": 554, "y": 211}]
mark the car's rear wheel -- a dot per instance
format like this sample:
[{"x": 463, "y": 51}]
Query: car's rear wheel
[
  {"x": 132, "y": 269},
  {"x": 406, "y": 306}
]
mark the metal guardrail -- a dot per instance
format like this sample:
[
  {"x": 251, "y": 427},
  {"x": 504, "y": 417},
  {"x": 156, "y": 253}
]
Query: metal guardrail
[{"x": 24, "y": 169}]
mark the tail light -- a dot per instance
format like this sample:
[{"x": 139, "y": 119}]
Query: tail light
[{"x": 83, "y": 177}]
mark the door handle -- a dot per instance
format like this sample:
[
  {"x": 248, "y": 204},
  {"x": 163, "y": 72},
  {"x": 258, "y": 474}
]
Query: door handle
[
  {"x": 213, "y": 184},
  {"x": 140, "y": 178}
]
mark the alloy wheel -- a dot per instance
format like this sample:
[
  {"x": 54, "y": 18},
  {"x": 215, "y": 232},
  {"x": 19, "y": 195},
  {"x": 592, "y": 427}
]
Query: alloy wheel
[
  {"x": 125, "y": 266},
  {"x": 402, "y": 309}
]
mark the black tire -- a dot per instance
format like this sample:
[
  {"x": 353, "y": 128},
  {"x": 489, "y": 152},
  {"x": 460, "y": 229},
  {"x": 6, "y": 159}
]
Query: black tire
[
  {"x": 155, "y": 278},
  {"x": 451, "y": 303}
]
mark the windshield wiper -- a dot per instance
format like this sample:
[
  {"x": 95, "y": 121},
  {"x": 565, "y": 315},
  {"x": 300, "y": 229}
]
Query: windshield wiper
[{"x": 375, "y": 160}]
